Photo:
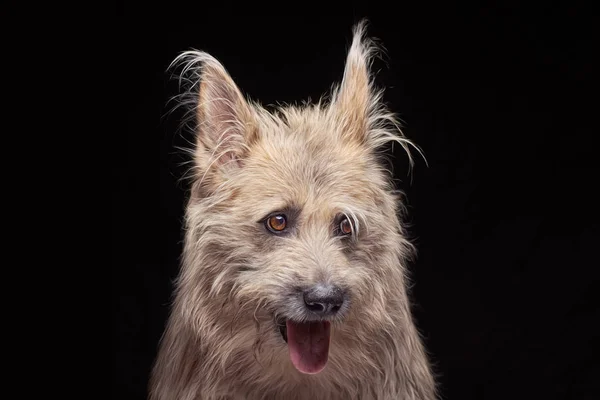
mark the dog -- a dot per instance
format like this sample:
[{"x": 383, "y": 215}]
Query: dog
[{"x": 293, "y": 282}]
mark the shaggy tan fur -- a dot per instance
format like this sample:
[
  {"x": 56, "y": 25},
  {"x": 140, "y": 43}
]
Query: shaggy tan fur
[{"x": 314, "y": 162}]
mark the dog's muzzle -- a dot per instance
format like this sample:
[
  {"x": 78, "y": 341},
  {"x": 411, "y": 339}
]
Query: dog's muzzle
[{"x": 308, "y": 336}]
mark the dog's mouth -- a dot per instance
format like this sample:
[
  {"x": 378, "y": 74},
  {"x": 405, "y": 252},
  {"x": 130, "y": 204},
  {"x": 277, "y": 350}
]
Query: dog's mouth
[{"x": 308, "y": 344}]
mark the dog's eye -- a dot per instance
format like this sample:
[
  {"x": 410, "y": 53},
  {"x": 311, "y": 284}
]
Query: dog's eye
[
  {"x": 345, "y": 227},
  {"x": 276, "y": 223}
]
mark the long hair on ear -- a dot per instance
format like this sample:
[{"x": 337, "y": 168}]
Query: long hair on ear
[{"x": 359, "y": 104}]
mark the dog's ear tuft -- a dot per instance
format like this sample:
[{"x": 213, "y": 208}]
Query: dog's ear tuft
[
  {"x": 358, "y": 105},
  {"x": 355, "y": 99}
]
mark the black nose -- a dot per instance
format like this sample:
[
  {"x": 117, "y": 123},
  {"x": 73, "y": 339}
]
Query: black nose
[{"x": 324, "y": 299}]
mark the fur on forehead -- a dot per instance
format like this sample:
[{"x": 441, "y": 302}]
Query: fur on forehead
[{"x": 227, "y": 125}]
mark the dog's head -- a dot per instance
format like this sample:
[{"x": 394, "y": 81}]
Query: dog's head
[{"x": 292, "y": 213}]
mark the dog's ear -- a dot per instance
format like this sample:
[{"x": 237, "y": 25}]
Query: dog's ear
[
  {"x": 225, "y": 122},
  {"x": 355, "y": 99}
]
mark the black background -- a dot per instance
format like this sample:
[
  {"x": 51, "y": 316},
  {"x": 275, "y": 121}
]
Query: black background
[{"x": 499, "y": 97}]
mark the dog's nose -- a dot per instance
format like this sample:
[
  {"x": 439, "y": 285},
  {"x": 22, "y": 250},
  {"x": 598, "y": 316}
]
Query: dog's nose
[{"x": 324, "y": 299}]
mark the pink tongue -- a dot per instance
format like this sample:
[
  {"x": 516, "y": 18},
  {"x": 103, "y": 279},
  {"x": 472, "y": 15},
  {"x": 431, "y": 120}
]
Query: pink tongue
[{"x": 308, "y": 343}]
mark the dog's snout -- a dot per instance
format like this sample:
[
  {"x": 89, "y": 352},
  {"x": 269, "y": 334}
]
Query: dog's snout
[{"x": 324, "y": 299}]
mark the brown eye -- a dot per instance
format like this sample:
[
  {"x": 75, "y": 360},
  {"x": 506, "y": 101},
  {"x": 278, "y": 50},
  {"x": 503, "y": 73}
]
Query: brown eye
[
  {"x": 345, "y": 227},
  {"x": 276, "y": 223}
]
